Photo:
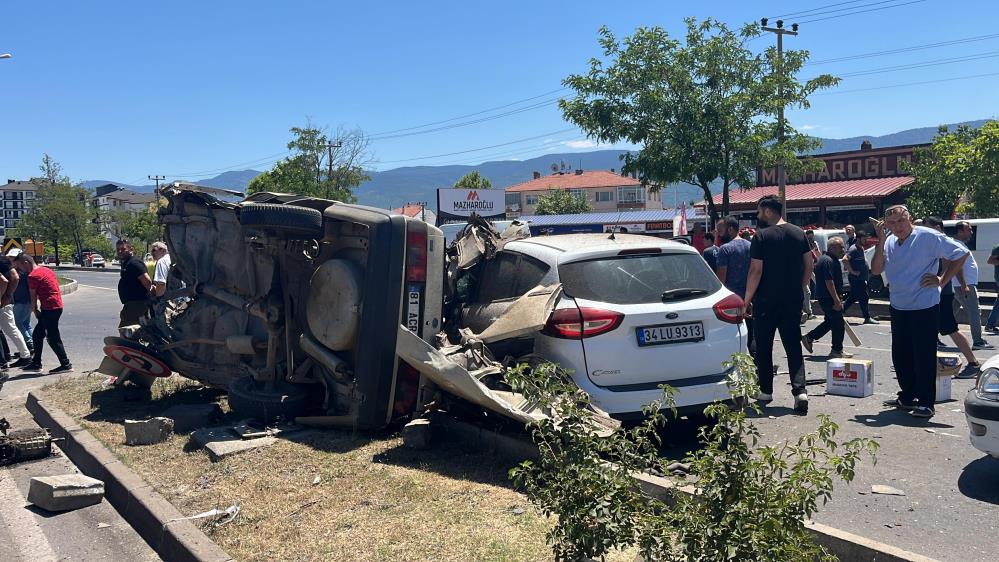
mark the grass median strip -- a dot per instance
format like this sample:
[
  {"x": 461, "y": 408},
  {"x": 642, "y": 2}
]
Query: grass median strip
[{"x": 327, "y": 495}]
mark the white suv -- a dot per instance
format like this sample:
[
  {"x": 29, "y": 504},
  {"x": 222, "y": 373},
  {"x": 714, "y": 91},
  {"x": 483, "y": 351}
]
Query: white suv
[{"x": 637, "y": 312}]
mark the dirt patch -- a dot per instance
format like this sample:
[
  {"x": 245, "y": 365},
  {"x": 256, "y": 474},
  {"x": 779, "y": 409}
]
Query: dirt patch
[{"x": 374, "y": 500}]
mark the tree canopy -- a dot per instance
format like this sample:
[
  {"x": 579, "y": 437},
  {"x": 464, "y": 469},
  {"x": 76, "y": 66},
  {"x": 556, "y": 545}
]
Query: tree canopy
[
  {"x": 960, "y": 164},
  {"x": 561, "y": 202},
  {"x": 704, "y": 108},
  {"x": 473, "y": 180},
  {"x": 59, "y": 212},
  {"x": 321, "y": 164}
]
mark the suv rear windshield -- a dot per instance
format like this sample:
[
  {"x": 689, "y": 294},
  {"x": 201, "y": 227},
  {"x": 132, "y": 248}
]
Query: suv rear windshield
[{"x": 639, "y": 279}]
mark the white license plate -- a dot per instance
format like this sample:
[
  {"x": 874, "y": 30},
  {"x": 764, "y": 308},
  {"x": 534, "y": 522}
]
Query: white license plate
[
  {"x": 413, "y": 309},
  {"x": 669, "y": 333}
]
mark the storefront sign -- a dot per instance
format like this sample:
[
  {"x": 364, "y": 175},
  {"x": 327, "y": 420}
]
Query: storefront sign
[
  {"x": 864, "y": 164},
  {"x": 627, "y": 227},
  {"x": 459, "y": 204},
  {"x": 662, "y": 226}
]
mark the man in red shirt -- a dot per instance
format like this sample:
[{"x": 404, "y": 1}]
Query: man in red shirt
[{"x": 46, "y": 302}]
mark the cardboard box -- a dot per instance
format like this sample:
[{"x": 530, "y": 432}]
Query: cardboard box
[
  {"x": 850, "y": 377},
  {"x": 948, "y": 365}
]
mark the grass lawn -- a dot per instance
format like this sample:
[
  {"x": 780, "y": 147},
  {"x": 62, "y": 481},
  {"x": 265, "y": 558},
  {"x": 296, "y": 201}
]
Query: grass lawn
[
  {"x": 63, "y": 280},
  {"x": 375, "y": 499}
]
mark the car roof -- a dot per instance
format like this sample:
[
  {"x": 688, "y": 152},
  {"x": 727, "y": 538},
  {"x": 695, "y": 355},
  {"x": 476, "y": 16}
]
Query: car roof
[{"x": 594, "y": 244}]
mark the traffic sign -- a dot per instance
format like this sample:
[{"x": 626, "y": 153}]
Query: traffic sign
[{"x": 10, "y": 243}]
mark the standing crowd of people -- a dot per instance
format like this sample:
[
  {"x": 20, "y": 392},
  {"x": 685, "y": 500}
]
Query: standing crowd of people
[
  {"x": 933, "y": 278},
  {"x": 29, "y": 290}
]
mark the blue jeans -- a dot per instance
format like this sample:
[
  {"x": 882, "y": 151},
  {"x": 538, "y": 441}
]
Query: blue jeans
[{"x": 22, "y": 317}]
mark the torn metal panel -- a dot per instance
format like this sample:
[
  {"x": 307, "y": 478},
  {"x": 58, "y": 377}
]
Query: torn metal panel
[
  {"x": 455, "y": 379},
  {"x": 526, "y": 315}
]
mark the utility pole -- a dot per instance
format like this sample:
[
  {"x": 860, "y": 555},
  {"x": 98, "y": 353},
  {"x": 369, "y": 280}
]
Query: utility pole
[
  {"x": 781, "y": 32},
  {"x": 329, "y": 174},
  {"x": 157, "y": 179}
]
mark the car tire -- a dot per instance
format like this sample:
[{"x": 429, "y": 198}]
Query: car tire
[
  {"x": 288, "y": 219},
  {"x": 268, "y": 402}
]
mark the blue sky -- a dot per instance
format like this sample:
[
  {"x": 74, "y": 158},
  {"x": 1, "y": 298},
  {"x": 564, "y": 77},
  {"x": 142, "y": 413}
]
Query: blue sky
[{"x": 119, "y": 90}]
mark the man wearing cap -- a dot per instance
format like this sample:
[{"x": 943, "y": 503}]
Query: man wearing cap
[
  {"x": 46, "y": 302},
  {"x": 9, "y": 280},
  {"x": 22, "y": 305}
]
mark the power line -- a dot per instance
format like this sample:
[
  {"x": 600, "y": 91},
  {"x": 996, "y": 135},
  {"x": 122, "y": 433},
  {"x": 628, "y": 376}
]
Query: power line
[
  {"x": 862, "y": 11},
  {"x": 468, "y": 114},
  {"x": 478, "y": 149},
  {"x": 803, "y": 12},
  {"x": 939, "y": 80},
  {"x": 937, "y": 62},
  {"x": 817, "y": 11},
  {"x": 546, "y": 103},
  {"x": 906, "y": 49}
]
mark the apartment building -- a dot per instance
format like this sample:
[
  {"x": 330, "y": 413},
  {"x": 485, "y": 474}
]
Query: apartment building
[
  {"x": 17, "y": 196},
  {"x": 606, "y": 190}
]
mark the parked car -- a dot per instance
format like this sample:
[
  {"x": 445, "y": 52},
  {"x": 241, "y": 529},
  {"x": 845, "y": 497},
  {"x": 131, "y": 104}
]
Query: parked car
[
  {"x": 981, "y": 408},
  {"x": 985, "y": 237},
  {"x": 636, "y": 312},
  {"x": 97, "y": 260}
]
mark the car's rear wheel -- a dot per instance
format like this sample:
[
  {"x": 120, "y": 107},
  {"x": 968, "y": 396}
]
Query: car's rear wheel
[
  {"x": 267, "y": 401},
  {"x": 288, "y": 219}
]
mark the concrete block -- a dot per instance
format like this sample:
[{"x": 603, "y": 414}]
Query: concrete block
[
  {"x": 416, "y": 434},
  {"x": 188, "y": 417},
  {"x": 148, "y": 432},
  {"x": 218, "y": 450},
  {"x": 65, "y": 492},
  {"x": 206, "y": 435}
]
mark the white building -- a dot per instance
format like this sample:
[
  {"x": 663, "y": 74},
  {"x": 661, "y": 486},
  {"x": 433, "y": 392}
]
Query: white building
[{"x": 17, "y": 196}]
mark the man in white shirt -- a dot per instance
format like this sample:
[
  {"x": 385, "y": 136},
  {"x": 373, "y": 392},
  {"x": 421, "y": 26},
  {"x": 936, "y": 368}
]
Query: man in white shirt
[
  {"x": 163, "y": 263},
  {"x": 966, "y": 289}
]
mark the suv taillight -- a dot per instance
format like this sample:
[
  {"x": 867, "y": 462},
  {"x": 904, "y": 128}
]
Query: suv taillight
[
  {"x": 416, "y": 257},
  {"x": 729, "y": 309},
  {"x": 579, "y": 323}
]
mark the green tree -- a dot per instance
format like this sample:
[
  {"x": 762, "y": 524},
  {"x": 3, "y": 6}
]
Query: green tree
[
  {"x": 473, "y": 180},
  {"x": 963, "y": 163},
  {"x": 751, "y": 500},
  {"x": 137, "y": 226},
  {"x": 59, "y": 213},
  {"x": 320, "y": 165},
  {"x": 561, "y": 202},
  {"x": 702, "y": 109}
]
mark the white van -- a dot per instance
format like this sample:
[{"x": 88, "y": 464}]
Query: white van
[{"x": 986, "y": 237}]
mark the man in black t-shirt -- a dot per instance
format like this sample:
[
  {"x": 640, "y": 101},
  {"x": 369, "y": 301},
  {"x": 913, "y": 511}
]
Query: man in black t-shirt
[
  {"x": 859, "y": 274},
  {"x": 781, "y": 267},
  {"x": 828, "y": 287},
  {"x": 133, "y": 287}
]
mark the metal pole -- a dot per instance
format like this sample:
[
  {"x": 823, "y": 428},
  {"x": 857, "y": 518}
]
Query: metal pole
[
  {"x": 781, "y": 181},
  {"x": 780, "y": 31},
  {"x": 157, "y": 179}
]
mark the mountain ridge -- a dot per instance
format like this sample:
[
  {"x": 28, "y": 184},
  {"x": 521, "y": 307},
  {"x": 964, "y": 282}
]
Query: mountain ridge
[{"x": 395, "y": 187}]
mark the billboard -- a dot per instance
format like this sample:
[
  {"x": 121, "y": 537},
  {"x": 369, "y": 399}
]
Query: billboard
[
  {"x": 459, "y": 204},
  {"x": 865, "y": 164}
]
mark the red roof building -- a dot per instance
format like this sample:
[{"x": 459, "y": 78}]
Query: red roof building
[
  {"x": 851, "y": 187},
  {"x": 606, "y": 190},
  {"x": 416, "y": 211}
]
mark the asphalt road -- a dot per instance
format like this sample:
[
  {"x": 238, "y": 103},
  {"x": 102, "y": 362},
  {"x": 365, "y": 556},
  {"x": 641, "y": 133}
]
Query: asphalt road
[
  {"x": 948, "y": 512},
  {"x": 951, "y": 501},
  {"x": 93, "y": 533}
]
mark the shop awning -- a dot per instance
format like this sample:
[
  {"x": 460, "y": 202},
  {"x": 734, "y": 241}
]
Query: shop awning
[{"x": 823, "y": 191}]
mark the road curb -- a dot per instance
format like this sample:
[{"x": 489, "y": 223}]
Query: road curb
[
  {"x": 843, "y": 545},
  {"x": 152, "y": 516},
  {"x": 112, "y": 269},
  {"x": 70, "y": 287}
]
